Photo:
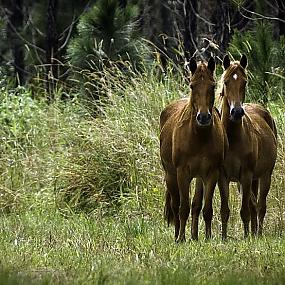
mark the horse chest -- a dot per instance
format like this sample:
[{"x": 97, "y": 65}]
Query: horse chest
[
  {"x": 199, "y": 165},
  {"x": 232, "y": 166}
]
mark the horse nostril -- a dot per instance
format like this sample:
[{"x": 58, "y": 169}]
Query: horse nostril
[
  {"x": 204, "y": 118},
  {"x": 199, "y": 118},
  {"x": 237, "y": 113}
]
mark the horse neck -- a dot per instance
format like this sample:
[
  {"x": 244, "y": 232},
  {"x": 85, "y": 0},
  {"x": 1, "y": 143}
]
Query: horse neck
[
  {"x": 193, "y": 126},
  {"x": 229, "y": 126}
]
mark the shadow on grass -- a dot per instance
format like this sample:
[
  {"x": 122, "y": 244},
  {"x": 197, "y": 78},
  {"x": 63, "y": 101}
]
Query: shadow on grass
[{"x": 16, "y": 278}]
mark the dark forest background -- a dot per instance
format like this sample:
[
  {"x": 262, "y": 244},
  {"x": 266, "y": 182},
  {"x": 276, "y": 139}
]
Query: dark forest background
[{"x": 50, "y": 44}]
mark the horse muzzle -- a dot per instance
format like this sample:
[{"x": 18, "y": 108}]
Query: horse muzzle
[
  {"x": 204, "y": 119},
  {"x": 236, "y": 113}
]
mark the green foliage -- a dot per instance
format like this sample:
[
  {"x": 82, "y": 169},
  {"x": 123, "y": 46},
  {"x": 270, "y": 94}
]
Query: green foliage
[
  {"x": 265, "y": 57},
  {"x": 114, "y": 154},
  {"x": 58, "y": 162},
  {"x": 106, "y": 32},
  {"x": 87, "y": 162},
  {"x": 107, "y": 38},
  {"x": 17, "y": 117}
]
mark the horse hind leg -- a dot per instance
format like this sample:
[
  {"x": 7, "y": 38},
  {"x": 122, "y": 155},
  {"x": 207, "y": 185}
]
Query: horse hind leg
[
  {"x": 196, "y": 208},
  {"x": 171, "y": 208},
  {"x": 265, "y": 182},
  {"x": 253, "y": 206}
]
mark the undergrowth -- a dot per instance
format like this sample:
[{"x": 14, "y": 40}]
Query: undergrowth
[{"x": 82, "y": 195}]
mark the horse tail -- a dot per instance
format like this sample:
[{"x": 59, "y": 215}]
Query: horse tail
[
  {"x": 274, "y": 129},
  {"x": 168, "y": 213},
  {"x": 271, "y": 123}
]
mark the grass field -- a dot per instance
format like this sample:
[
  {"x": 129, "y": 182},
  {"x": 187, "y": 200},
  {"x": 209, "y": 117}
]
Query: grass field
[
  {"x": 47, "y": 248},
  {"x": 82, "y": 198}
]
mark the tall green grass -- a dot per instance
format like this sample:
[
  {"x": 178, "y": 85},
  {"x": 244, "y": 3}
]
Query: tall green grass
[{"x": 82, "y": 196}]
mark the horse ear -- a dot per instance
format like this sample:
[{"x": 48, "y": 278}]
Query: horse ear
[
  {"x": 243, "y": 61},
  {"x": 192, "y": 65},
  {"x": 226, "y": 61},
  {"x": 211, "y": 64}
]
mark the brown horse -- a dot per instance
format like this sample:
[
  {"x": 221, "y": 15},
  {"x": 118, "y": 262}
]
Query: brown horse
[
  {"x": 252, "y": 151},
  {"x": 192, "y": 144}
]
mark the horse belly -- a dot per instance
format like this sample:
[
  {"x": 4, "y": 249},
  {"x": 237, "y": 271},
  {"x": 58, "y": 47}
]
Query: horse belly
[
  {"x": 232, "y": 166},
  {"x": 265, "y": 163}
]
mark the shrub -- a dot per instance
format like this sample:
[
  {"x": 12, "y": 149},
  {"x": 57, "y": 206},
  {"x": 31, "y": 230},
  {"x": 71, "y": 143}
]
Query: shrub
[{"x": 117, "y": 154}]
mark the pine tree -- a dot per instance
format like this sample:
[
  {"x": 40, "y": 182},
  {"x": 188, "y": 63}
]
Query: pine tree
[
  {"x": 107, "y": 38},
  {"x": 106, "y": 32}
]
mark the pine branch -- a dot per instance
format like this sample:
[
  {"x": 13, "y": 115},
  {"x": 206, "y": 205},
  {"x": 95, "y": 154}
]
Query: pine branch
[{"x": 259, "y": 16}]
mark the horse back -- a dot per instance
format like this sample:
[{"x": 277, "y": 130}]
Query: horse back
[
  {"x": 260, "y": 111},
  {"x": 172, "y": 110}
]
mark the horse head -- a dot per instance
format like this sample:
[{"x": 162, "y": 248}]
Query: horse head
[
  {"x": 234, "y": 86},
  {"x": 202, "y": 86}
]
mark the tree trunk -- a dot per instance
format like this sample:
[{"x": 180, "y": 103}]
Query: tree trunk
[
  {"x": 51, "y": 48},
  {"x": 167, "y": 32},
  {"x": 158, "y": 28},
  {"x": 123, "y": 3},
  {"x": 281, "y": 15},
  {"x": 190, "y": 28},
  {"x": 222, "y": 25},
  {"x": 15, "y": 24}
]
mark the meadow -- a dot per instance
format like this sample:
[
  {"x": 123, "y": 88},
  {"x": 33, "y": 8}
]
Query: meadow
[{"x": 82, "y": 196}]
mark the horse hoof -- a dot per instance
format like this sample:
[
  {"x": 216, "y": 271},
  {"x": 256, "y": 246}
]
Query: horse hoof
[{"x": 180, "y": 240}]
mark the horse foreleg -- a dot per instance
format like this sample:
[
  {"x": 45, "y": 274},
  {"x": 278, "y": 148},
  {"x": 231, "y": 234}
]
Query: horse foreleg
[
  {"x": 252, "y": 205},
  {"x": 225, "y": 210},
  {"x": 210, "y": 184},
  {"x": 245, "y": 182},
  {"x": 183, "y": 179},
  {"x": 265, "y": 182},
  {"x": 196, "y": 208}
]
